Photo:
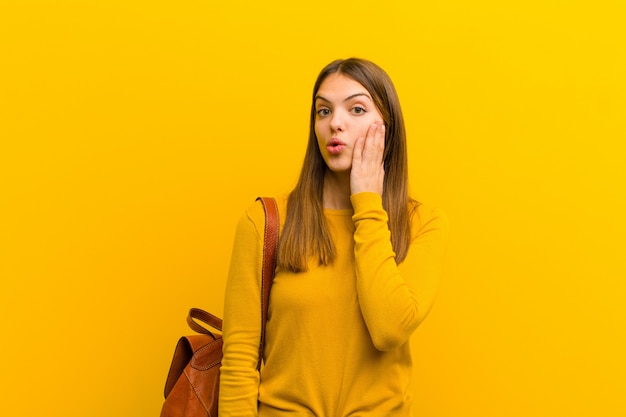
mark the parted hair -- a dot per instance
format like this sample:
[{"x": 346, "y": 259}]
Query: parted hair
[{"x": 305, "y": 234}]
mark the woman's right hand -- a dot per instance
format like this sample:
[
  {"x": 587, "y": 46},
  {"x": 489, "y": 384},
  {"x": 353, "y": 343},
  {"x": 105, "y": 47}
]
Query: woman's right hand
[{"x": 368, "y": 171}]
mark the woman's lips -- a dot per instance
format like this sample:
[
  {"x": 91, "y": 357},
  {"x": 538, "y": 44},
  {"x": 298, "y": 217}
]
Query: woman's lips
[{"x": 335, "y": 147}]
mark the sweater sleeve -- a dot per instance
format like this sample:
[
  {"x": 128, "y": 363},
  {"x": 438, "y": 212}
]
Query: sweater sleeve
[
  {"x": 239, "y": 378},
  {"x": 395, "y": 299}
]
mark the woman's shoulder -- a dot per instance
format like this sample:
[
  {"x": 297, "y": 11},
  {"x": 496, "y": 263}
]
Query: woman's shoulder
[
  {"x": 255, "y": 212},
  {"x": 426, "y": 217}
]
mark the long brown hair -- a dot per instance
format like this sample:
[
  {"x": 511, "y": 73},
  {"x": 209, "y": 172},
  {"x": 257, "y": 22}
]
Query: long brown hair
[{"x": 305, "y": 233}]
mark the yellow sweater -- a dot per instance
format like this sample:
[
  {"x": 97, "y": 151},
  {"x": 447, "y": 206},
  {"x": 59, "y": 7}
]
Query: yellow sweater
[{"x": 337, "y": 336}]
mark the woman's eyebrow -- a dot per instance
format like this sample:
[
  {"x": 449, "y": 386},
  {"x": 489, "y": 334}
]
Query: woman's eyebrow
[
  {"x": 318, "y": 97},
  {"x": 357, "y": 95}
]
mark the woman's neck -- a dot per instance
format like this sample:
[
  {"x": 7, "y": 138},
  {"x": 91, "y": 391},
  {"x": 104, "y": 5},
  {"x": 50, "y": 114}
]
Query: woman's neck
[{"x": 337, "y": 190}]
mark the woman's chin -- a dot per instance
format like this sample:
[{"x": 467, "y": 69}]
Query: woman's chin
[
  {"x": 339, "y": 165},
  {"x": 339, "y": 168}
]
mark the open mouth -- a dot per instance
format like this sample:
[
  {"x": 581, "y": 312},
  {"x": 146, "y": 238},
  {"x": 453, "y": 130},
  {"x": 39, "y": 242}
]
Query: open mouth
[{"x": 335, "y": 147}]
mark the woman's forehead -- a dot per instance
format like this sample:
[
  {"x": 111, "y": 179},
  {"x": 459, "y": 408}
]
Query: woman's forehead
[{"x": 338, "y": 86}]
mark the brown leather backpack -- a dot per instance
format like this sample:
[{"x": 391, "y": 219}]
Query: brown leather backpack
[{"x": 192, "y": 385}]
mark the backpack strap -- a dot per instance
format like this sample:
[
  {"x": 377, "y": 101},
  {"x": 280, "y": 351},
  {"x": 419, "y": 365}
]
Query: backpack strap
[
  {"x": 270, "y": 244},
  {"x": 205, "y": 317}
]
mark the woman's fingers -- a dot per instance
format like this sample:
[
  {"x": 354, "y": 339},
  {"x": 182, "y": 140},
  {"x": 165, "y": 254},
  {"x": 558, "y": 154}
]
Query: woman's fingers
[
  {"x": 374, "y": 146},
  {"x": 357, "y": 152},
  {"x": 367, "y": 161},
  {"x": 371, "y": 148}
]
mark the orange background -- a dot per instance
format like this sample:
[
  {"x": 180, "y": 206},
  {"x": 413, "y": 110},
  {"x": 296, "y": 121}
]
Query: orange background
[{"x": 133, "y": 134}]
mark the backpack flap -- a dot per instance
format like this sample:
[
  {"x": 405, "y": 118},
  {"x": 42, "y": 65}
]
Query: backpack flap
[{"x": 183, "y": 354}]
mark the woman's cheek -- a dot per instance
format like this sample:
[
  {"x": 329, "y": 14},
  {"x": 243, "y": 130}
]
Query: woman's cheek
[{"x": 363, "y": 132}]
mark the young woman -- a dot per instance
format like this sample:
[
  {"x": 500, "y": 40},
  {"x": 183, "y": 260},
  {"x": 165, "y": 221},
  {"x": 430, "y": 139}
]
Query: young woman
[{"x": 357, "y": 270}]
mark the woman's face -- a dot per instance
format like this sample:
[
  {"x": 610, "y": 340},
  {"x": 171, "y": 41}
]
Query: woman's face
[{"x": 344, "y": 112}]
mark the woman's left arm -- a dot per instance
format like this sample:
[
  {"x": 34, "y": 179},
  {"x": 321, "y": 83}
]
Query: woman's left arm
[{"x": 394, "y": 299}]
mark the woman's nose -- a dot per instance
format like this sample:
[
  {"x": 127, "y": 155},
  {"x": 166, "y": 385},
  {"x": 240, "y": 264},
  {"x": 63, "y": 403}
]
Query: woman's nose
[{"x": 337, "y": 121}]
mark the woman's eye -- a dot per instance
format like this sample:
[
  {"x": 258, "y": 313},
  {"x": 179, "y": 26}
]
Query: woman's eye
[
  {"x": 323, "y": 112},
  {"x": 358, "y": 110}
]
